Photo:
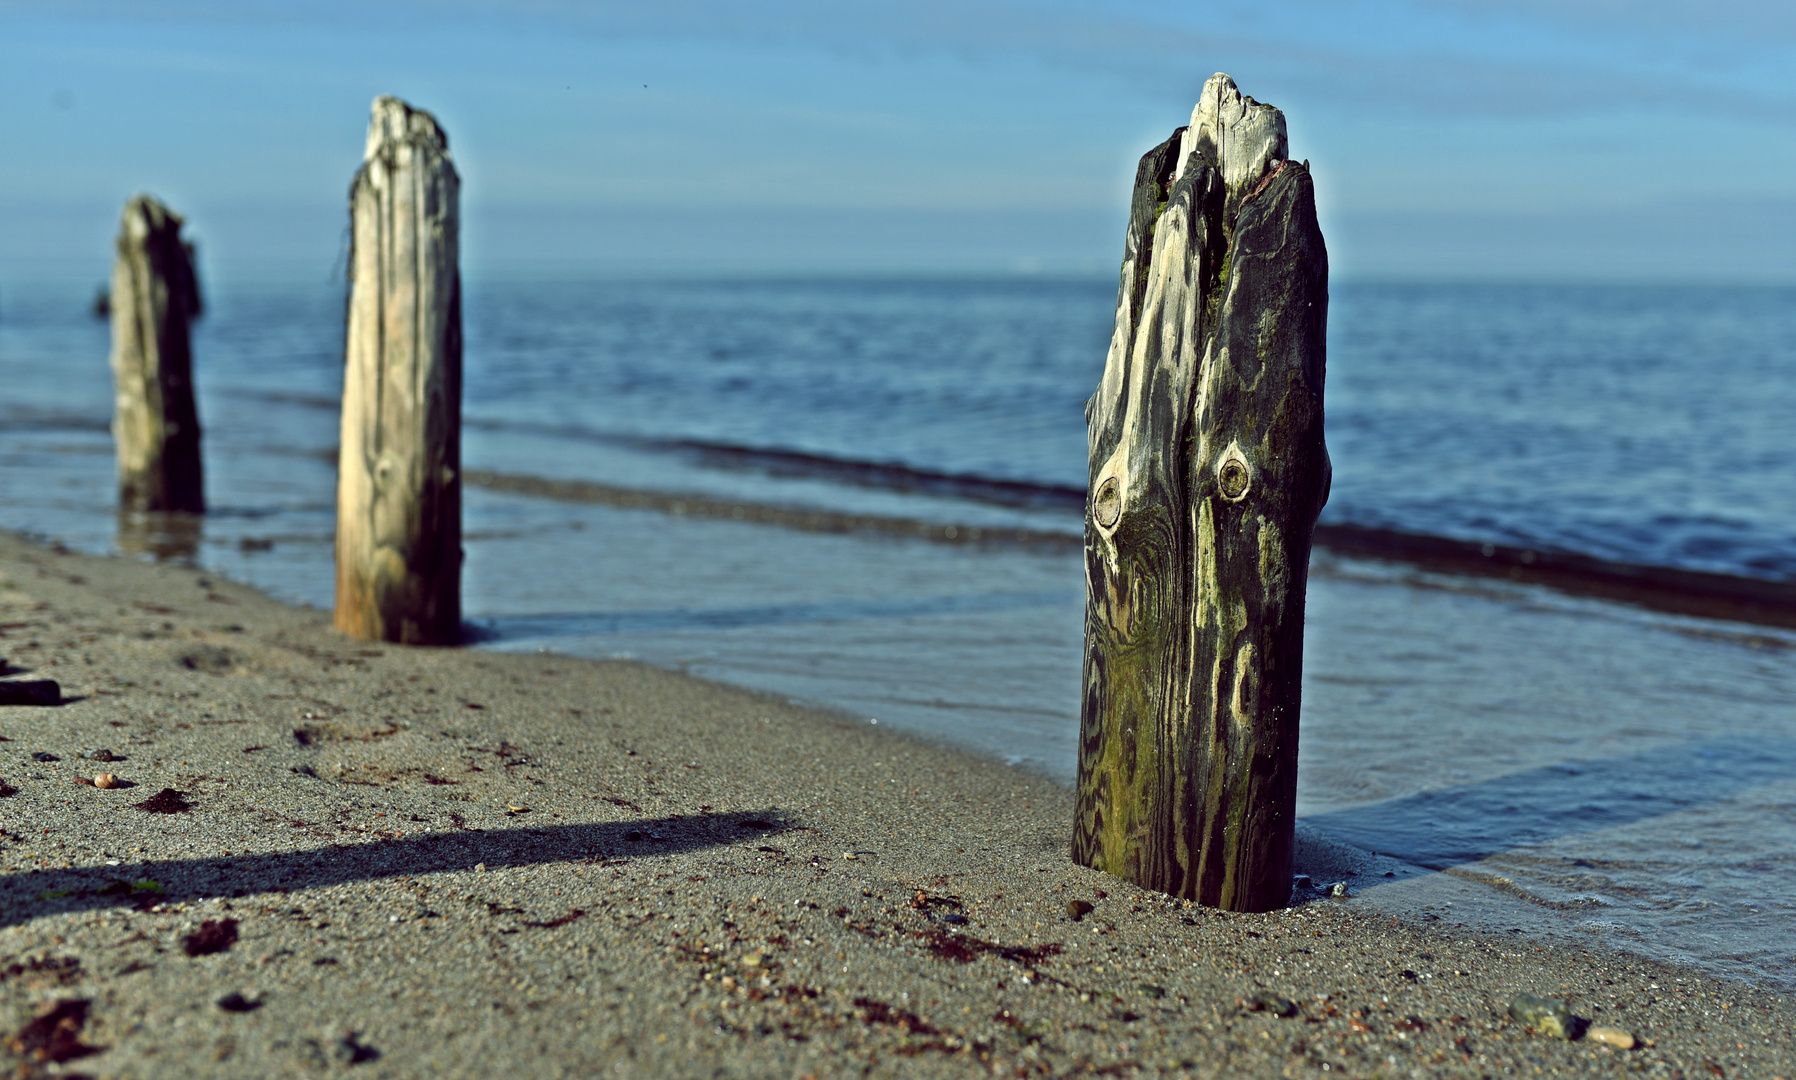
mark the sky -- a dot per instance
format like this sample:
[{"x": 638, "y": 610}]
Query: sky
[{"x": 1538, "y": 140}]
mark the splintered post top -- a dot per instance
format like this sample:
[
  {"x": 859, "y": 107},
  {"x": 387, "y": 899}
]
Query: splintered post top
[
  {"x": 394, "y": 121},
  {"x": 143, "y": 215},
  {"x": 1236, "y": 134}
]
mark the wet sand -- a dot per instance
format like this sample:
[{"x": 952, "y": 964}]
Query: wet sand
[{"x": 416, "y": 862}]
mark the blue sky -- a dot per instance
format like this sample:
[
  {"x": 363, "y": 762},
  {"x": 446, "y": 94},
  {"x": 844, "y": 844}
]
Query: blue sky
[{"x": 1526, "y": 139}]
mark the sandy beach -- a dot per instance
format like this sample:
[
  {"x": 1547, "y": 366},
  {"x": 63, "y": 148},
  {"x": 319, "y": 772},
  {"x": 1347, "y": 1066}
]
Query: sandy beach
[{"x": 382, "y": 861}]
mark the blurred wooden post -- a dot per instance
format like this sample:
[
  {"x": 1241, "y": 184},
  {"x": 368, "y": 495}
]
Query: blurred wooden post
[
  {"x": 399, "y": 473},
  {"x": 1208, "y": 470},
  {"x": 155, "y": 426}
]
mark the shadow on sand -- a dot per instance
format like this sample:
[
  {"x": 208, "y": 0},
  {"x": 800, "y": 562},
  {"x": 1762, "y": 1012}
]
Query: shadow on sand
[{"x": 25, "y": 896}]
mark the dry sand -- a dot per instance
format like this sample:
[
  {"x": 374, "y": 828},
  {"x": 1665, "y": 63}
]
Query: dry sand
[{"x": 414, "y": 862}]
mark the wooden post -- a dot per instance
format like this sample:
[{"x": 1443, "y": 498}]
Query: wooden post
[
  {"x": 155, "y": 426},
  {"x": 1208, "y": 470},
  {"x": 399, "y": 472}
]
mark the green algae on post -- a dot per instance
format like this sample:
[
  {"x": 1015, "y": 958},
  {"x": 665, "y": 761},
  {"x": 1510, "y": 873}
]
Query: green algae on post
[{"x": 1208, "y": 470}]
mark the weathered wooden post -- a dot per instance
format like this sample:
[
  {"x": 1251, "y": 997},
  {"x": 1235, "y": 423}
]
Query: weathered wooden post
[
  {"x": 155, "y": 426},
  {"x": 399, "y": 472},
  {"x": 1208, "y": 470}
]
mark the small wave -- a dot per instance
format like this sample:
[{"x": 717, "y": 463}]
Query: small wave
[
  {"x": 326, "y": 402},
  {"x": 1660, "y": 588},
  {"x": 774, "y": 461},
  {"x": 24, "y": 419},
  {"x": 807, "y": 519},
  {"x": 1457, "y": 828},
  {"x": 855, "y": 472},
  {"x": 514, "y": 628},
  {"x": 888, "y": 476},
  {"x": 1610, "y": 926}
]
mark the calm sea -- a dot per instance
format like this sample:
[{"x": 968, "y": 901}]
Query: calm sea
[{"x": 1604, "y": 772}]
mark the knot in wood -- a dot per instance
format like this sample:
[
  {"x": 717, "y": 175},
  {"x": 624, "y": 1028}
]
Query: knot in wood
[
  {"x": 1107, "y": 507},
  {"x": 1232, "y": 479}
]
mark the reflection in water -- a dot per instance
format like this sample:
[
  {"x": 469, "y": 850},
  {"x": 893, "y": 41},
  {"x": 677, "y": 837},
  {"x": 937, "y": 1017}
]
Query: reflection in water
[{"x": 165, "y": 537}]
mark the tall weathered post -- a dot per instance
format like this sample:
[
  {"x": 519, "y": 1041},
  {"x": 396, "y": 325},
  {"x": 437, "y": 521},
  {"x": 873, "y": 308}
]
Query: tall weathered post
[
  {"x": 155, "y": 425},
  {"x": 399, "y": 471},
  {"x": 1208, "y": 470}
]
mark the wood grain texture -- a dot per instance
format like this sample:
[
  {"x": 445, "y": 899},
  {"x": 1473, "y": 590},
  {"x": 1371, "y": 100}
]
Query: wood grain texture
[
  {"x": 399, "y": 470},
  {"x": 155, "y": 424},
  {"x": 1208, "y": 469}
]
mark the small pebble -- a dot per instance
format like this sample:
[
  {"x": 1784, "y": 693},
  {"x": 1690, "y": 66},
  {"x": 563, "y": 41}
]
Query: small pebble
[
  {"x": 83, "y": 780},
  {"x": 213, "y": 936},
  {"x": 30, "y": 692},
  {"x": 1544, "y": 1015},
  {"x": 1077, "y": 909},
  {"x": 480, "y": 868},
  {"x": 106, "y": 780},
  {"x": 237, "y": 1003},
  {"x": 516, "y": 809},
  {"x": 1338, "y": 890},
  {"x": 1271, "y": 1003},
  {"x": 849, "y": 855},
  {"x": 1609, "y": 1036},
  {"x": 166, "y": 801},
  {"x": 350, "y": 1050}
]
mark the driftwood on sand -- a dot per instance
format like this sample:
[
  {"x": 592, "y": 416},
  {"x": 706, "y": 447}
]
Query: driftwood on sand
[{"x": 1208, "y": 470}]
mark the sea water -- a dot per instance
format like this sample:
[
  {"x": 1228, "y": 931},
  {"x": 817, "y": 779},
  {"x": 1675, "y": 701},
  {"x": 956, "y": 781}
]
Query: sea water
[{"x": 1591, "y": 769}]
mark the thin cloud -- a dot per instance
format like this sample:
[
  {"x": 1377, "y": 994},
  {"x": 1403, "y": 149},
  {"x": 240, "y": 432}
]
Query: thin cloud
[
  {"x": 1753, "y": 22},
  {"x": 1417, "y": 75}
]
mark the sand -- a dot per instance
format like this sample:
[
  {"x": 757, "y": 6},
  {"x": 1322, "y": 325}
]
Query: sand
[{"x": 429, "y": 862}]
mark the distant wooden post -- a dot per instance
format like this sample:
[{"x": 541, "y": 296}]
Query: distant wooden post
[
  {"x": 399, "y": 473},
  {"x": 155, "y": 426},
  {"x": 1208, "y": 470}
]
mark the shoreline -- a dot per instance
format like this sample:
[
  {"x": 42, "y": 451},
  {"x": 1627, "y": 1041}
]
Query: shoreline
[{"x": 443, "y": 862}]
